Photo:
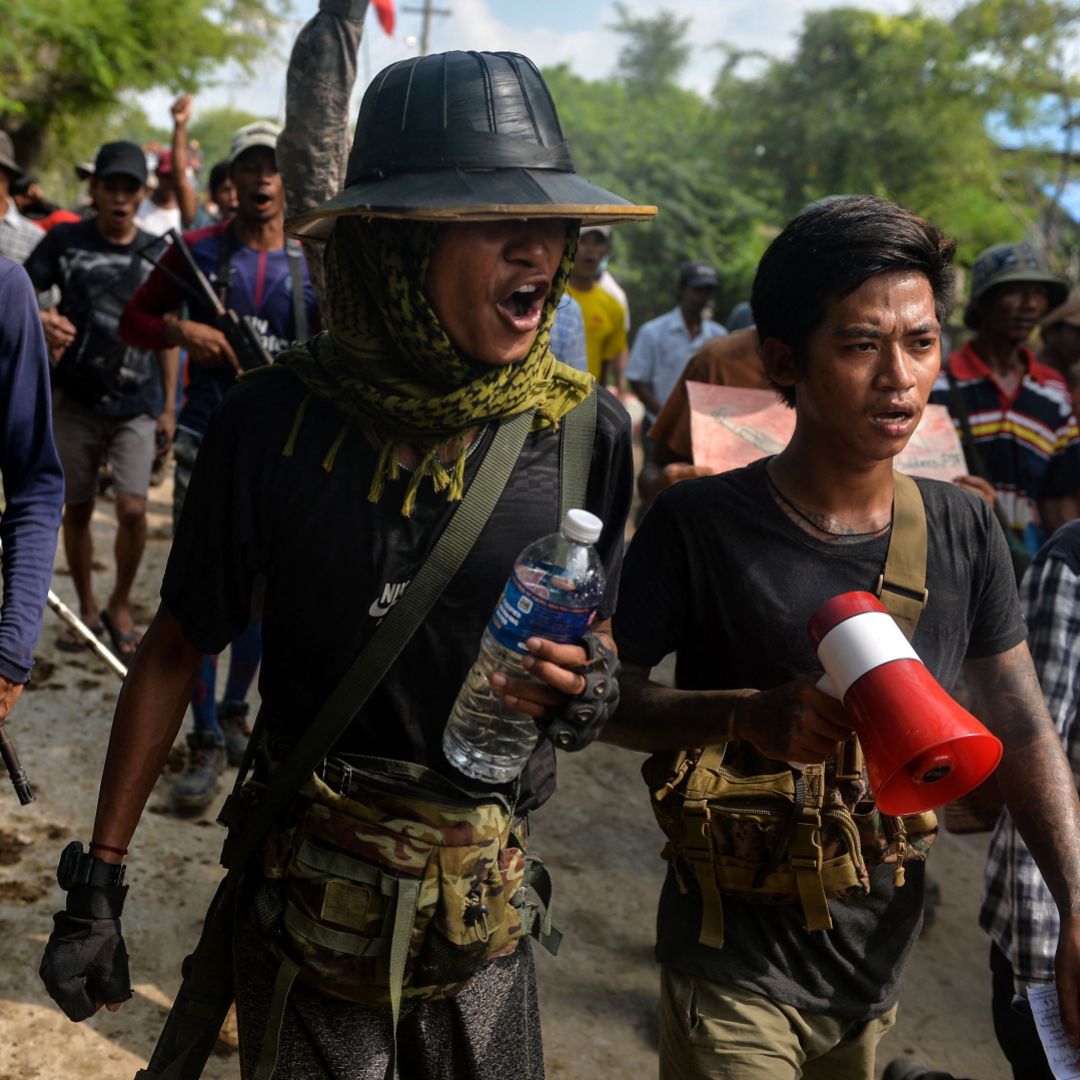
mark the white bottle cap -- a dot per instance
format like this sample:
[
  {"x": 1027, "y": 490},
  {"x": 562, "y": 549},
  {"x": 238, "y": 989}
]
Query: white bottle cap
[{"x": 582, "y": 526}]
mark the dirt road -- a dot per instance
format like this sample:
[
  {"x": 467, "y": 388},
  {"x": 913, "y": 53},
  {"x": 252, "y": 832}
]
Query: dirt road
[{"x": 597, "y": 835}]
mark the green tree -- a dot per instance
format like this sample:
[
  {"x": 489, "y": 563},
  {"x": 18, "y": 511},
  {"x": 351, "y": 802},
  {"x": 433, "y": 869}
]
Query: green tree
[
  {"x": 654, "y": 50},
  {"x": 899, "y": 106},
  {"x": 644, "y": 136},
  {"x": 66, "y": 63},
  {"x": 213, "y": 129}
]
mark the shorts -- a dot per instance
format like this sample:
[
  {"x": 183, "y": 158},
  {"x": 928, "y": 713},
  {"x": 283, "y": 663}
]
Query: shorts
[
  {"x": 710, "y": 1031},
  {"x": 84, "y": 437}
]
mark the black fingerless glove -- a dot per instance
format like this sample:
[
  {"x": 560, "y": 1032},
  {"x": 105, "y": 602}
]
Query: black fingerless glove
[
  {"x": 86, "y": 962},
  {"x": 584, "y": 716}
]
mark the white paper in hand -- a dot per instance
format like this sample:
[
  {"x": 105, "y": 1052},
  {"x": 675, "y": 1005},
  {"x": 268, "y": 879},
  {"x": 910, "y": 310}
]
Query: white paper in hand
[{"x": 1064, "y": 1060}]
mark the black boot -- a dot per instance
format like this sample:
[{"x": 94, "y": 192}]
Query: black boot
[
  {"x": 232, "y": 716},
  {"x": 197, "y": 786}
]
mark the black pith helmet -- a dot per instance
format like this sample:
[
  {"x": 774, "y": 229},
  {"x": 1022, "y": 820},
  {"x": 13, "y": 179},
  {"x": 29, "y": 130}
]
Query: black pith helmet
[{"x": 462, "y": 136}]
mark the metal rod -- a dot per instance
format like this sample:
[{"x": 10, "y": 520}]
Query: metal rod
[{"x": 85, "y": 632}]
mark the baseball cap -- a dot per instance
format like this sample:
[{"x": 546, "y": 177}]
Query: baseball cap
[
  {"x": 1069, "y": 312},
  {"x": 259, "y": 133},
  {"x": 697, "y": 275},
  {"x": 7, "y": 155},
  {"x": 120, "y": 159}
]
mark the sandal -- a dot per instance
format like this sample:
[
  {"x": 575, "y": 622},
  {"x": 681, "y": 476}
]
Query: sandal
[
  {"x": 70, "y": 640},
  {"x": 124, "y": 644}
]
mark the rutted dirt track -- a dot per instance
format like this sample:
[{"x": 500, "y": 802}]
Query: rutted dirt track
[{"x": 597, "y": 836}]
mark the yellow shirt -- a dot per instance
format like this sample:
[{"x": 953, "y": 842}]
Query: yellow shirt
[{"x": 605, "y": 327}]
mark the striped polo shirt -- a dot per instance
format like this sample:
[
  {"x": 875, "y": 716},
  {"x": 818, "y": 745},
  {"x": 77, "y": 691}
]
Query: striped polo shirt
[{"x": 1028, "y": 440}]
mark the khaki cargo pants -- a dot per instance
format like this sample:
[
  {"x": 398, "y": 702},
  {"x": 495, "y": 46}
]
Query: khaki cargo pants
[{"x": 715, "y": 1032}]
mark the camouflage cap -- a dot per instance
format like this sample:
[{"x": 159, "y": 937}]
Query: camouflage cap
[{"x": 1003, "y": 263}]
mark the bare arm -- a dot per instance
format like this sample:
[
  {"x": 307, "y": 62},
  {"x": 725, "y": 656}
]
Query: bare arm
[
  {"x": 1058, "y": 511},
  {"x": 1037, "y": 783},
  {"x": 148, "y": 715},
  {"x": 185, "y": 193},
  {"x": 795, "y": 721},
  {"x": 647, "y": 395},
  {"x": 169, "y": 360}
]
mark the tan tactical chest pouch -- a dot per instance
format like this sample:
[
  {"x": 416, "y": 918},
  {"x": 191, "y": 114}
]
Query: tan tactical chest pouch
[
  {"x": 402, "y": 889},
  {"x": 771, "y": 837},
  {"x": 750, "y": 828}
]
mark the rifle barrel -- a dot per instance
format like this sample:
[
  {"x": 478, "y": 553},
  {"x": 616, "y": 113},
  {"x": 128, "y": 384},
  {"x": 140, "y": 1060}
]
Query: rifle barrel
[{"x": 19, "y": 780}]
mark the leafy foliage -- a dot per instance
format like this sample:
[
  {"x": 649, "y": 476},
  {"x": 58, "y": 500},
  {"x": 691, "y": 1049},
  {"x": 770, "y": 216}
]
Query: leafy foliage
[
  {"x": 64, "y": 63},
  {"x": 900, "y": 106}
]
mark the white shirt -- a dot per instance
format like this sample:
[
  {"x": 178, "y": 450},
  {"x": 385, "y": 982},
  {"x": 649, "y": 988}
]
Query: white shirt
[
  {"x": 662, "y": 349},
  {"x": 157, "y": 220}
]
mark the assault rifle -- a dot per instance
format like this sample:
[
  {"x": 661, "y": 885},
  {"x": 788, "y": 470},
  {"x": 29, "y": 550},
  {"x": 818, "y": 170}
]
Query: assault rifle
[
  {"x": 15, "y": 770},
  {"x": 238, "y": 332}
]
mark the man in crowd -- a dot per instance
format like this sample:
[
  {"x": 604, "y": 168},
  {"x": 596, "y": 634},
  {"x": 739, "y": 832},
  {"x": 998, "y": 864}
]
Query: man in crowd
[
  {"x": 264, "y": 280},
  {"x": 568, "y": 334},
  {"x": 1060, "y": 333},
  {"x": 1018, "y": 909},
  {"x": 605, "y": 321},
  {"x": 18, "y": 236},
  {"x": 664, "y": 345},
  {"x": 33, "y": 481},
  {"x": 731, "y": 360},
  {"x": 1023, "y": 437},
  {"x": 31, "y": 202},
  {"x": 220, "y": 204},
  {"x": 332, "y": 473},
  {"x": 726, "y": 572},
  {"x": 112, "y": 399}
]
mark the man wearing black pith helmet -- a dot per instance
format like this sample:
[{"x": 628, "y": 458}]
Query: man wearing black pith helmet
[{"x": 332, "y": 474}]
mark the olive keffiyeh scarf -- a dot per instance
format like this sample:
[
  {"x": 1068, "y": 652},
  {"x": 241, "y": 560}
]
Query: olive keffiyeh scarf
[{"x": 386, "y": 359}]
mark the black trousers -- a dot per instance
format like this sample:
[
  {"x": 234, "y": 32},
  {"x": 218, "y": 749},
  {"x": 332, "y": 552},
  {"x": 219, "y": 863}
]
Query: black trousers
[{"x": 1016, "y": 1033}]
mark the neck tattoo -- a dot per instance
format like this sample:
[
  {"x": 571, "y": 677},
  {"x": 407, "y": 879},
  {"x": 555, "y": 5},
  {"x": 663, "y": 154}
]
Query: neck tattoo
[{"x": 819, "y": 521}]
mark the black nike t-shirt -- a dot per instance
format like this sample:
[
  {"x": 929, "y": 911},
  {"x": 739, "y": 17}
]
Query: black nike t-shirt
[
  {"x": 335, "y": 563},
  {"x": 718, "y": 574}
]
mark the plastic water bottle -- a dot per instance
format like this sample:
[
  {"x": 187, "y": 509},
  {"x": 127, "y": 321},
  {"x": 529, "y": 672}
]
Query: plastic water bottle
[{"x": 554, "y": 591}]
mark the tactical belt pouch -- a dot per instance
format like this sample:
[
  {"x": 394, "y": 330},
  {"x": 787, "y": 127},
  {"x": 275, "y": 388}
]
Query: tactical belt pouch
[
  {"x": 780, "y": 837},
  {"x": 759, "y": 830},
  {"x": 407, "y": 884}
]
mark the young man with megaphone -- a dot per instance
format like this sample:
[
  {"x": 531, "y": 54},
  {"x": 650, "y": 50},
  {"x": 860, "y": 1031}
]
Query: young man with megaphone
[{"x": 792, "y": 903}]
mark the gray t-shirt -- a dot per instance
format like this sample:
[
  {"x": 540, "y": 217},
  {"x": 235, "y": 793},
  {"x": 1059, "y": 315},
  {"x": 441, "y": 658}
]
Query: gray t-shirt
[{"x": 720, "y": 575}]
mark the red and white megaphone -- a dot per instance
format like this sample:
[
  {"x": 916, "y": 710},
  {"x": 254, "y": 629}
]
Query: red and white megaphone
[{"x": 922, "y": 749}]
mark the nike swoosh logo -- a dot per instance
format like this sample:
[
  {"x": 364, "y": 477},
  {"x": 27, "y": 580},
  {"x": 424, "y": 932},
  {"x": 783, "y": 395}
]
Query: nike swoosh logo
[{"x": 379, "y": 609}]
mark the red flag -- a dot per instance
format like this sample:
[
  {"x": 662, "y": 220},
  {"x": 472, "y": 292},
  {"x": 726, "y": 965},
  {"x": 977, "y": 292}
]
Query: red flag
[{"x": 384, "y": 9}]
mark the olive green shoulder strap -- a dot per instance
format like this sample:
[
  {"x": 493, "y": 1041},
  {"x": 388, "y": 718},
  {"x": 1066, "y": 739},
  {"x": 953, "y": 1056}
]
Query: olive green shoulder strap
[
  {"x": 575, "y": 453},
  {"x": 902, "y": 584}
]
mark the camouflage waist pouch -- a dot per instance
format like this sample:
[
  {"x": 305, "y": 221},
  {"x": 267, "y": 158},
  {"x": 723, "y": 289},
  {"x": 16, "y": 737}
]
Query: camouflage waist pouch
[
  {"x": 779, "y": 837},
  {"x": 403, "y": 889}
]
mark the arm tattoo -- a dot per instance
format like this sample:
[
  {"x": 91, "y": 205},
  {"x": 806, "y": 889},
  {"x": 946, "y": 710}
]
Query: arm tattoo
[{"x": 1034, "y": 775}]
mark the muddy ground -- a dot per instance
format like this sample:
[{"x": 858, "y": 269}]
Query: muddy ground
[{"x": 597, "y": 835}]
